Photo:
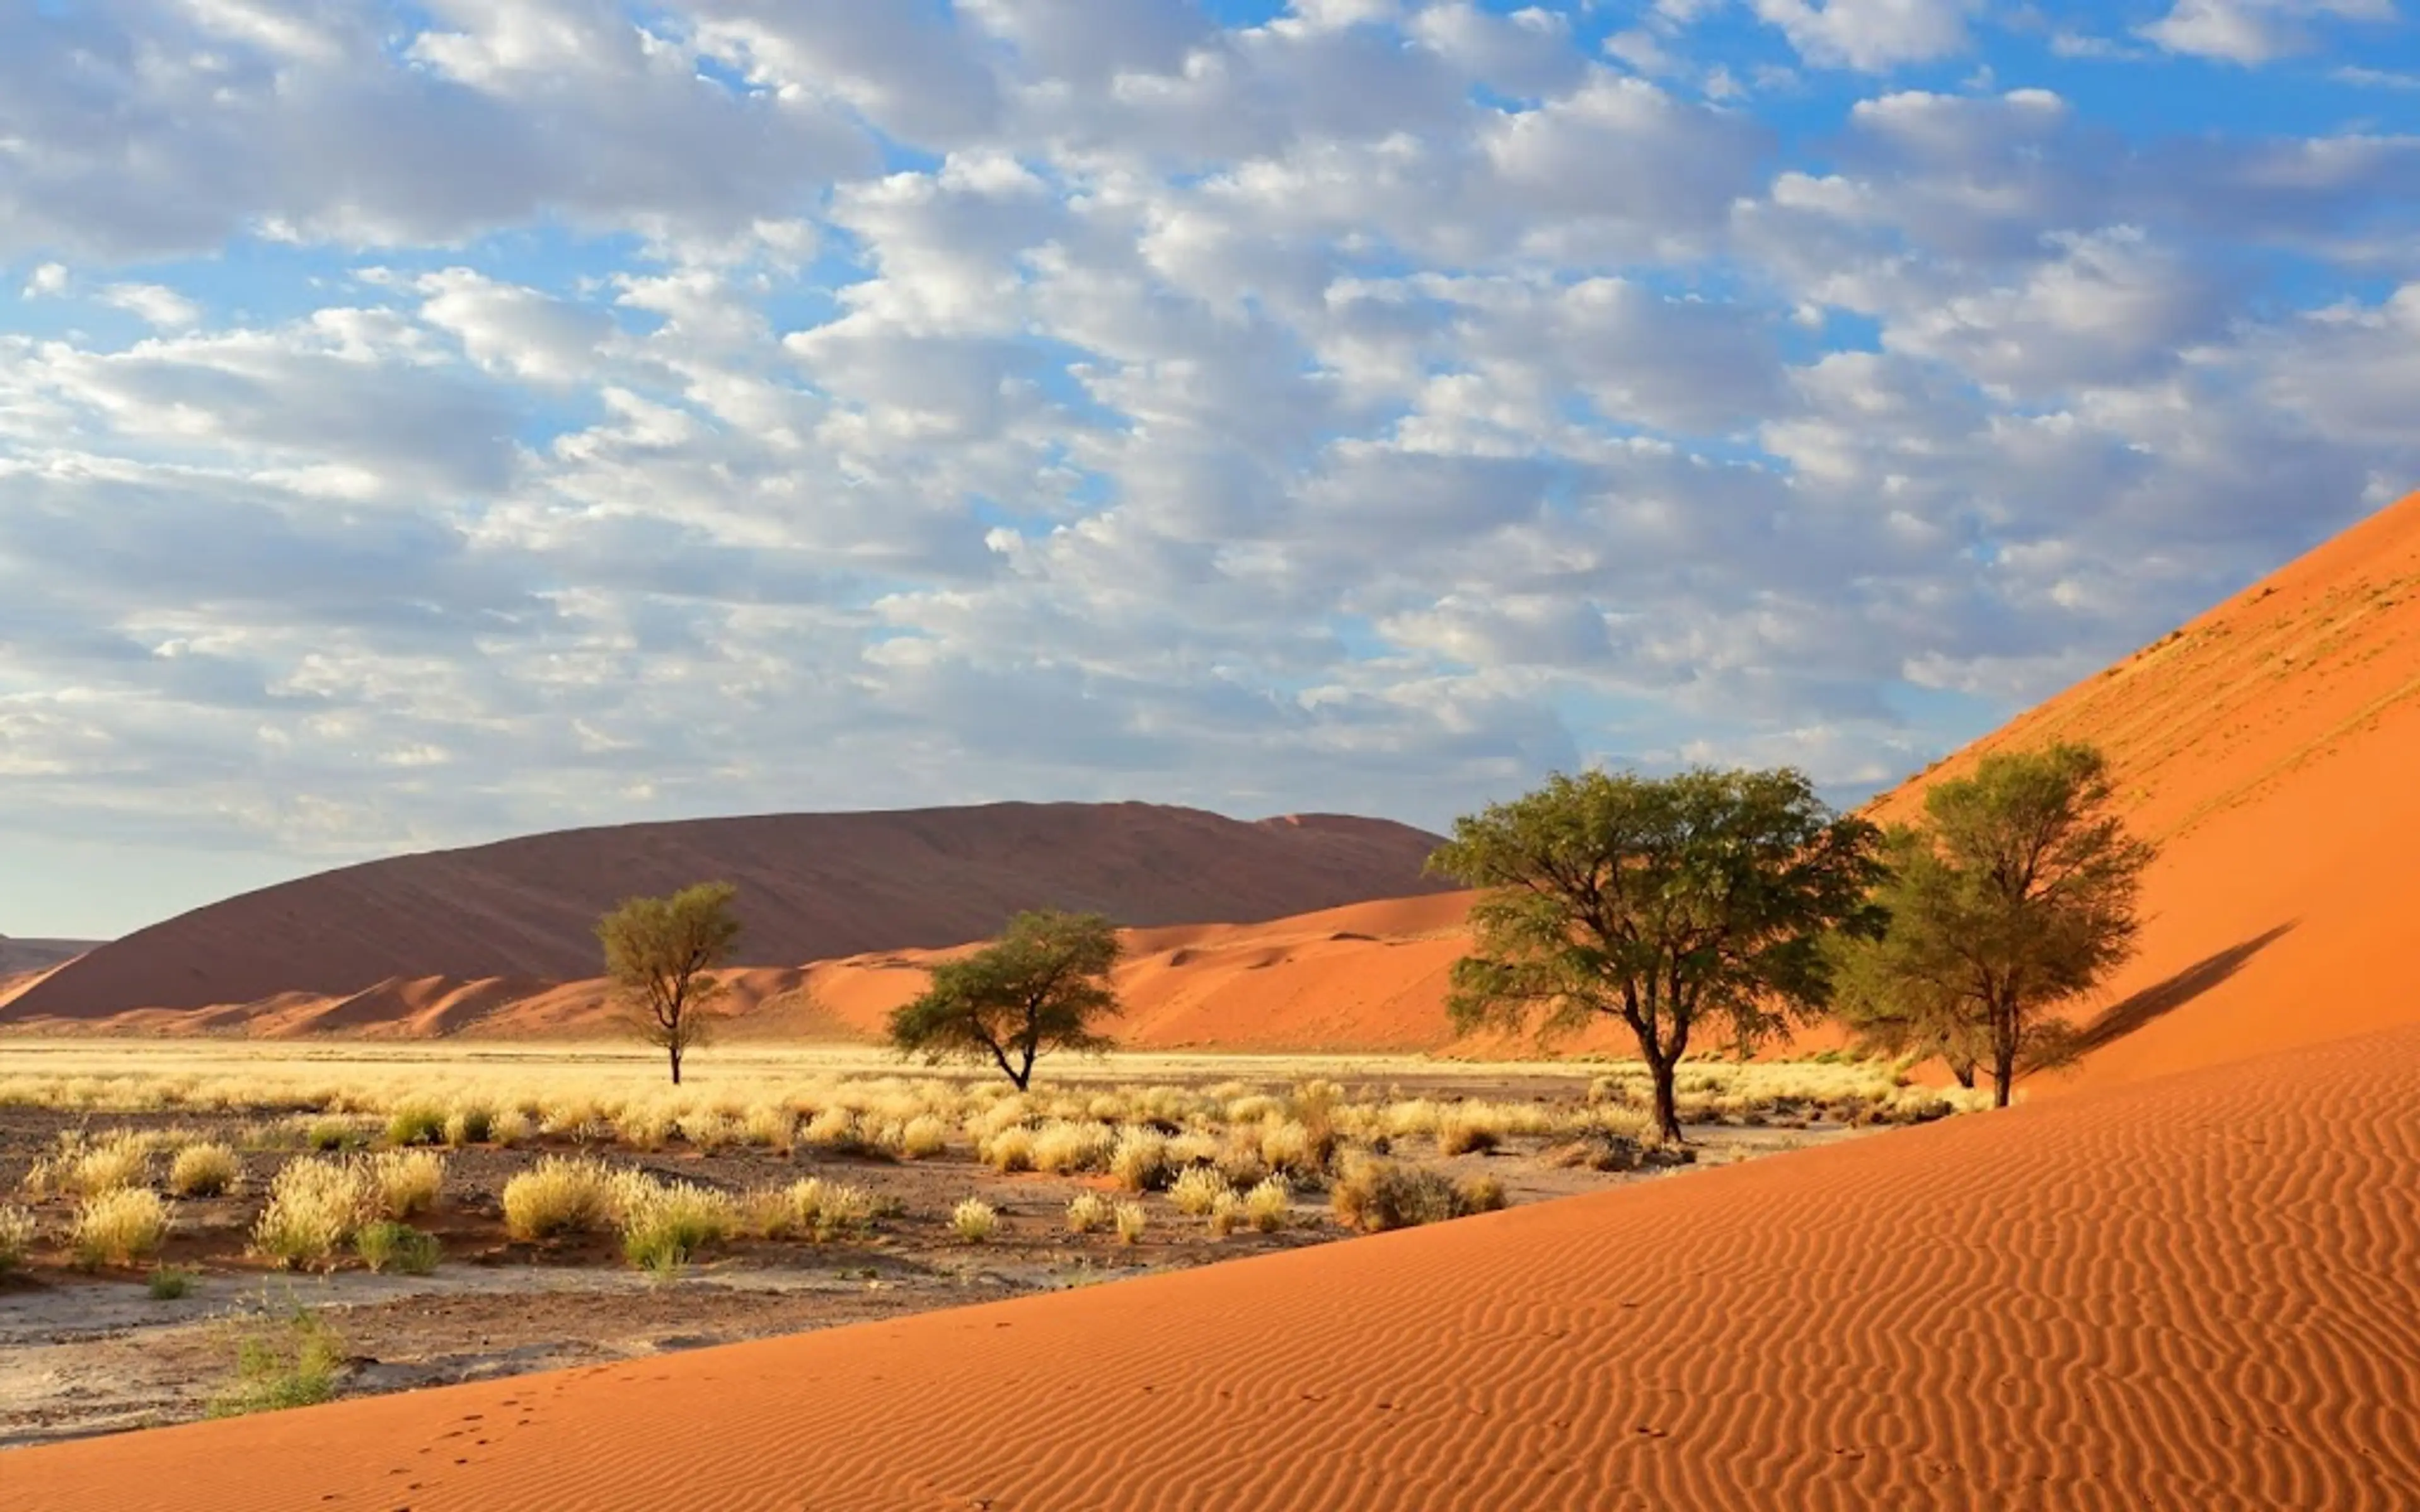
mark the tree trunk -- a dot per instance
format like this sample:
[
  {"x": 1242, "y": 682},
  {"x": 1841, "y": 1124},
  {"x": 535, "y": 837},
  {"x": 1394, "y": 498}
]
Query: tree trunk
[
  {"x": 1965, "y": 1072},
  {"x": 1667, "y": 1112},
  {"x": 2004, "y": 1071},
  {"x": 674, "y": 1051}
]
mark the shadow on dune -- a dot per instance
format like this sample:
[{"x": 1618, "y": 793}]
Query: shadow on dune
[{"x": 2164, "y": 997}]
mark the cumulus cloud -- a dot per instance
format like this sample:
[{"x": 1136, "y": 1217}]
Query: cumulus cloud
[
  {"x": 2253, "y": 32},
  {"x": 427, "y": 422}
]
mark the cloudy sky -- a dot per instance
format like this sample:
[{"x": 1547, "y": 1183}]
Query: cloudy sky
[{"x": 422, "y": 424}]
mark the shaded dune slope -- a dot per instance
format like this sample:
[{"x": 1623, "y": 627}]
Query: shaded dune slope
[
  {"x": 2195, "y": 1293},
  {"x": 812, "y": 887}
]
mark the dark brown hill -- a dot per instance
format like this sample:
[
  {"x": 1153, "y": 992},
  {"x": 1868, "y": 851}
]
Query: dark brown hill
[{"x": 811, "y": 886}]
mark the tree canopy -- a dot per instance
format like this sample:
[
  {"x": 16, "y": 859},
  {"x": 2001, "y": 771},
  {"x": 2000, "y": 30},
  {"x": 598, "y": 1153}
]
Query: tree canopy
[
  {"x": 2016, "y": 895},
  {"x": 1664, "y": 902},
  {"x": 1043, "y": 986},
  {"x": 658, "y": 955}
]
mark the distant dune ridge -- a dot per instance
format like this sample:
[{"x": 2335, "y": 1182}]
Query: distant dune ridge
[
  {"x": 2269, "y": 746},
  {"x": 811, "y": 886},
  {"x": 2192, "y": 1295},
  {"x": 17, "y": 956}
]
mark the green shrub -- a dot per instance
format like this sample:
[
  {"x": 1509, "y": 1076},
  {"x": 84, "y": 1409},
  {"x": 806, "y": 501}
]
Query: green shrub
[
  {"x": 416, "y": 1123},
  {"x": 281, "y": 1363},
  {"x": 168, "y": 1283},
  {"x": 388, "y": 1245}
]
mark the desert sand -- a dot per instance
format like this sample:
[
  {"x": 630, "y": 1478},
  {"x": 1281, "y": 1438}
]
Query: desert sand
[
  {"x": 2194, "y": 1293},
  {"x": 812, "y": 887}
]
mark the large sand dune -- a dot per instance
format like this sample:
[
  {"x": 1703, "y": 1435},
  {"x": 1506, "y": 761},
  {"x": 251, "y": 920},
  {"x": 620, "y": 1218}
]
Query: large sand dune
[
  {"x": 812, "y": 887},
  {"x": 2192, "y": 1294}
]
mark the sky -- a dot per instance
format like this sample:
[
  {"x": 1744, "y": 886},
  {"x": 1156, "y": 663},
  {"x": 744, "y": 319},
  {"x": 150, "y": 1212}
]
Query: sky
[{"x": 426, "y": 424}]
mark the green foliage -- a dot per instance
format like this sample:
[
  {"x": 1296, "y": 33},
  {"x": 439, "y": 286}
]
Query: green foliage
[
  {"x": 169, "y": 1283},
  {"x": 283, "y": 1362},
  {"x": 660, "y": 953},
  {"x": 388, "y": 1245},
  {"x": 416, "y": 1123},
  {"x": 2017, "y": 895},
  {"x": 1039, "y": 988},
  {"x": 1664, "y": 902}
]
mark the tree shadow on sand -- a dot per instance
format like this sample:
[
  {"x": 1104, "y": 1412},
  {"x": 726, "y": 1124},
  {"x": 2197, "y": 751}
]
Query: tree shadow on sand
[{"x": 2159, "y": 999}]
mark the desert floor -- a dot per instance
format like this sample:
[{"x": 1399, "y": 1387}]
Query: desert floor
[{"x": 89, "y": 1350}]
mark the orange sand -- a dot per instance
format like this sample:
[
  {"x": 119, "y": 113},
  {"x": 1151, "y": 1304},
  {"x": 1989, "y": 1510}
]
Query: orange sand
[{"x": 2192, "y": 1294}]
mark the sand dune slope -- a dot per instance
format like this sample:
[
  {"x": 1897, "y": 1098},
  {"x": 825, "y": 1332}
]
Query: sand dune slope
[
  {"x": 813, "y": 887},
  {"x": 2269, "y": 746},
  {"x": 2194, "y": 1294}
]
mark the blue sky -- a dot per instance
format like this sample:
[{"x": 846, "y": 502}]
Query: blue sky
[{"x": 423, "y": 425}]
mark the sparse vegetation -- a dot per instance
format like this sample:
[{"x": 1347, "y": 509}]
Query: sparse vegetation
[
  {"x": 170, "y": 1283},
  {"x": 282, "y": 1362},
  {"x": 665, "y": 1225},
  {"x": 812, "y": 1208},
  {"x": 1375, "y": 1195},
  {"x": 1197, "y": 1189},
  {"x": 1041, "y": 987}
]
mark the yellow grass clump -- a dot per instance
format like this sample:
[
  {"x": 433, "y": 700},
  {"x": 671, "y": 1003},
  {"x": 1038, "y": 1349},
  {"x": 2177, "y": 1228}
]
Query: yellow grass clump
[
  {"x": 119, "y": 1226},
  {"x": 1265, "y": 1205},
  {"x": 17, "y": 1231},
  {"x": 812, "y": 1208},
  {"x": 205, "y": 1170},
  {"x": 922, "y": 1136},
  {"x": 666, "y": 1223},
  {"x": 556, "y": 1197},
  {"x": 1131, "y": 1219},
  {"x": 1089, "y": 1213},
  {"x": 402, "y": 1182},
  {"x": 314, "y": 1205},
  {"x": 1198, "y": 1188},
  {"x": 974, "y": 1220}
]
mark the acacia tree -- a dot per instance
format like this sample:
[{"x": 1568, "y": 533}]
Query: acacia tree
[
  {"x": 658, "y": 955},
  {"x": 2015, "y": 896},
  {"x": 1664, "y": 902},
  {"x": 1040, "y": 987}
]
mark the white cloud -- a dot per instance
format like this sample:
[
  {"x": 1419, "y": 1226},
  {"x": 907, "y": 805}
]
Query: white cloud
[
  {"x": 2253, "y": 32},
  {"x": 1872, "y": 35},
  {"x": 1365, "y": 407},
  {"x": 154, "y": 304}
]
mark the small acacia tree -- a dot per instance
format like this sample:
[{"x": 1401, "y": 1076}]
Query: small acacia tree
[
  {"x": 1042, "y": 986},
  {"x": 658, "y": 955},
  {"x": 1664, "y": 902},
  {"x": 2015, "y": 896}
]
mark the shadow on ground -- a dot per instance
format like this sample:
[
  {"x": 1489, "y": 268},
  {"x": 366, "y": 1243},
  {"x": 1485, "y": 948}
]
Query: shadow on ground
[{"x": 2159, "y": 999}]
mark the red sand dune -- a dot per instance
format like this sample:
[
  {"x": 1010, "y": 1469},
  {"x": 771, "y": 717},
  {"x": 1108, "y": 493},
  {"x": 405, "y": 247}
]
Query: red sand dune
[
  {"x": 812, "y": 887},
  {"x": 2192, "y": 1294},
  {"x": 2270, "y": 748}
]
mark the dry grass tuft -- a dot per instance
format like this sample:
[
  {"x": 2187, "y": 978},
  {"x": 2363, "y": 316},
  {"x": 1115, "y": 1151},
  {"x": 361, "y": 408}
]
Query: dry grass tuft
[
  {"x": 1267, "y": 1205},
  {"x": 922, "y": 1137},
  {"x": 667, "y": 1223},
  {"x": 974, "y": 1220},
  {"x": 16, "y": 1230},
  {"x": 119, "y": 1227},
  {"x": 204, "y": 1171},
  {"x": 1089, "y": 1213},
  {"x": 557, "y": 1196},
  {"x": 1132, "y": 1220},
  {"x": 1375, "y": 1195},
  {"x": 812, "y": 1208},
  {"x": 315, "y": 1205},
  {"x": 1197, "y": 1190},
  {"x": 402, "y": 1182}
]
